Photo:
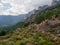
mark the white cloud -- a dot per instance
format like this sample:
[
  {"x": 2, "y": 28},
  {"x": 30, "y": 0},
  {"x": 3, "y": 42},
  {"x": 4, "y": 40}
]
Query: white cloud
[{"x": 20, "y": 6}]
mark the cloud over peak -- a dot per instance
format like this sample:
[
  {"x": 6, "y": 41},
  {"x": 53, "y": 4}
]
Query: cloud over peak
[{"x": 15, "y": 7}]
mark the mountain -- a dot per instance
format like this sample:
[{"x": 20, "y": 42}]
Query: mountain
[
  {"x": 45, "y": 10},
  {"x": 45, "y": 33},
  {"x": 11, "y": 20},
  {"x": 42, "y": 27}
]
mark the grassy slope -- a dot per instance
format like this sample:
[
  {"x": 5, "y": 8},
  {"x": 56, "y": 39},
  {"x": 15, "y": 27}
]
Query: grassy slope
[{"x": 32, "y": 37}]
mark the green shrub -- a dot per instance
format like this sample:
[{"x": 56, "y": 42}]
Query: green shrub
[
  {"x": 15, "y": 38},
  {"x": 50, "y": 43},
  {"x": 26, "y": 24},
  {"x": 51, "y": 31},
  {"x": 10, "y": 43},
  {"x": 2, "y": 32},
  {"x": 42, "y": 42},
  {"x": 20, "y": 43},
  {"x": 37, "y": 36}
]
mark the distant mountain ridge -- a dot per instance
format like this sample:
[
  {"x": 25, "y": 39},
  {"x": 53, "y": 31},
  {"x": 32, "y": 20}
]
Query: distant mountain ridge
[
  {"x": 32, "y": 14},
  {"x": 11, "y": 20}
]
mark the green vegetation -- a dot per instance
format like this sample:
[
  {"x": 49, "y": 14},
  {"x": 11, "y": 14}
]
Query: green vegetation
[
  {"x": 2, "y": 32},
  {"x": 20, "y": 43},
  {"x": 28, "y": 37},
  {"x": 47, "y": 14},
  {"x": 42, "y": 42},
  {"x": 8, "y": 30}
]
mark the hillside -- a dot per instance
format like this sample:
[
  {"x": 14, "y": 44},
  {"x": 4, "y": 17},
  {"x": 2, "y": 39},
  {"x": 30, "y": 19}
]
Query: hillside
[
  {"x": 45, "y": 33},
  {"x": 41, "y": 28}
]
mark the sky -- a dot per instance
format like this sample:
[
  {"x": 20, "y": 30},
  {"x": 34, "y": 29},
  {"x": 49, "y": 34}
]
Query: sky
[{"x": 16, "y": 7}]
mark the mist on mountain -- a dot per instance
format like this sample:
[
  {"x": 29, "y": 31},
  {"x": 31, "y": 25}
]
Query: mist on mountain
[{"x": 11, "y": 20}]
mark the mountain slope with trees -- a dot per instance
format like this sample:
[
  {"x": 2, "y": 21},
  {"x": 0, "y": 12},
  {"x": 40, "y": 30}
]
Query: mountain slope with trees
[{"x": 42, "y": 28}]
